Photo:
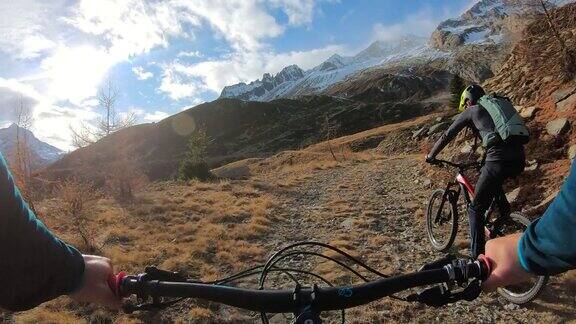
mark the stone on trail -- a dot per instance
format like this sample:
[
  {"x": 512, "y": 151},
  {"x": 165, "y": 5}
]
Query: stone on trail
[
  {"x": 572, "y": 152},
  {"x": 419, "y": 133},
  {"x": 438, "y": 128},
  {"x": 566, "y": 104},
  {"x": 532, "y": 165},
  {"x": 564, "y": 93},
  {"x": 558, "y": 126},
  {"x": 427, "y": 183},
  {"x": 529, "y": 112},
  {"x": 513, "y": 195}
]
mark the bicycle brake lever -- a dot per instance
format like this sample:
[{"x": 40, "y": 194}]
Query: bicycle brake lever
[
  {"x": 153, "y": 273},
  {"x": 438, "y": 263},
  {"x": 439, "y": 295}
]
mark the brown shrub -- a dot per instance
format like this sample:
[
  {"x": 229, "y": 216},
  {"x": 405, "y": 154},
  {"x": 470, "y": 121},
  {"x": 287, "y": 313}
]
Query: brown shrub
[
  {"x": 77, "y": 198},
  {"x": 123, "y": 178}
]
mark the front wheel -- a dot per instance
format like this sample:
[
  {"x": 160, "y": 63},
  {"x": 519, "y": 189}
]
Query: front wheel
[
  {"x": 528, "y": 291},
  {"x": 441, "y": 228}
]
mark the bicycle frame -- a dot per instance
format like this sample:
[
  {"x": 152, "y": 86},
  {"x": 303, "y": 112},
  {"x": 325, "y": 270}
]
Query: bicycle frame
[{"x": 464, "y": 186}]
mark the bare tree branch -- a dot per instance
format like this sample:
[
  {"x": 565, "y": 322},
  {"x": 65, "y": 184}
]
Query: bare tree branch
[{"x": 109, "y": 122}]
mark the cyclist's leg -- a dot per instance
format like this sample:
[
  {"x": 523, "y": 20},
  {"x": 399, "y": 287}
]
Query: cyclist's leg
[
  {"x": 510, "y": 171},
  {"x": 488, "y": 183}
]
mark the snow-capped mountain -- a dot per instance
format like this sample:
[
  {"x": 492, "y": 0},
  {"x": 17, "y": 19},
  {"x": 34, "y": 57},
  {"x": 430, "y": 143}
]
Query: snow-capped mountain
[
  {"x": 479, "y": 40},
  {"x": 488, "y": 22},
  {"x": 292, "y": 81},
  {"x": 43, "y": 153}
]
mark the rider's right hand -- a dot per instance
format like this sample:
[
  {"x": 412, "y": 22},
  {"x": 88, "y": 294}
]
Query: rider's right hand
[
  {"x": 502, "y": 253},
  {"x": 95, "y": 287}
]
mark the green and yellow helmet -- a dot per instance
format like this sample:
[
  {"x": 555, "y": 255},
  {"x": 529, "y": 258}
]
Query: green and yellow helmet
[{"x": 471, "y": 93}]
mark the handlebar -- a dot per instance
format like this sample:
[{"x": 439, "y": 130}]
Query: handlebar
[{"x": 284, "y": 301}]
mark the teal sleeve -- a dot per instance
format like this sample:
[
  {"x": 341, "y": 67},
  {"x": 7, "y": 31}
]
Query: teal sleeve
[
  {"x": 35, "y": 266},
  {"x": 548, "y": 246}
]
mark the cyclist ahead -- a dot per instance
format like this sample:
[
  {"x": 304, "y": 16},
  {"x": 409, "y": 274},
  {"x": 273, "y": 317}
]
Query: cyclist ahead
[{"x": 493, "y": 119}]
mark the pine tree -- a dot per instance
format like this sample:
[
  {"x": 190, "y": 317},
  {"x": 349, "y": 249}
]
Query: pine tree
[
  {"x": 194, "y": 165},
  {"x": 456, "y": 87}
]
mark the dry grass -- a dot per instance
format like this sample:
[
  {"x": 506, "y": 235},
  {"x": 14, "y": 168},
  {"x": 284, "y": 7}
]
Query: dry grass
[{"x": 205, "y": 230}]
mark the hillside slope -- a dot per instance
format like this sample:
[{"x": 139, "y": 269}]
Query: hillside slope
[{"x": 239, "y": 129}]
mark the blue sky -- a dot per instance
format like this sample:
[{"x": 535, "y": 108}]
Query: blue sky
[{"x": 165, "y": 56}]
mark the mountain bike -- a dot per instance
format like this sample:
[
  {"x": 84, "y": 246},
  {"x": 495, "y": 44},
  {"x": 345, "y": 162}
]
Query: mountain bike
[
  {"x": 448, "y": 280},
  {"x": 442, "y": 225}
]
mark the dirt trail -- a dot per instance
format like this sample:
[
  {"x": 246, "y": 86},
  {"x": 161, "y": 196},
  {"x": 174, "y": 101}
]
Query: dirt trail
[{"x": 374, "y": 209}]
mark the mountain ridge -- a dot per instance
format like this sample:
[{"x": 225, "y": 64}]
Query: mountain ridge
[
  {"x": 43, "y": 153},
  {"x": 333, "y": 70}
]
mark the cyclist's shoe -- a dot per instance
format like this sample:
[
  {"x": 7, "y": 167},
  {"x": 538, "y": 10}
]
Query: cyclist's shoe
[
  {"x": 498, "y": 227},
  {"x": 431, "y": 160}
]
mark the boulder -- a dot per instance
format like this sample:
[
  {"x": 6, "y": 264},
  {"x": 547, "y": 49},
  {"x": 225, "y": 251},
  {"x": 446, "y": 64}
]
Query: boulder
[
  {"x": 347, "y": 223},
  {"x": 532, "y": 165},
  {"x": 438, "y": 128},
  {"x": 419, "y": 133},
  {"x": 572, "y": 152},
  {"x": 513, "y": 195},
  {"x": 529, "y": 112},
  {"x": 557, "y": 126},
  {"x": 566, "y": 104},
  {"x": 427, "y": 183},
  {"x": 564, "y": 93}
]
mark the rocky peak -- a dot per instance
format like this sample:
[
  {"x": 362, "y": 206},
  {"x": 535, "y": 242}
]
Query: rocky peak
[
  {"x": 289, "y": 73},
  {"x": 43, "y": 153}
]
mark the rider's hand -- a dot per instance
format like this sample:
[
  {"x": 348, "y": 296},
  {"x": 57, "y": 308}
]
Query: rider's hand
[
  {"x": 430, "y": 159},
  {"x": 502, "y": 253},
  {"x": 95, "y": 288}
]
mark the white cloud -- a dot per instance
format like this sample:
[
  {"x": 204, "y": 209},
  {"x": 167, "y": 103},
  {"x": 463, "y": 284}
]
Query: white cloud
[
  {"x": 155, "y": 116},
  {"x": 51, "y": 122},
  {"x": 243, "y": 23},
  {"x": 190, "y": 54},
  {"x": 141, "y": 74},
  {"x": 299, "y": 12},
  {"x": 74, "y": 73},
  {"x": 72, "y": 46},
  {"x": 131, "y": 26},
  {"x": 27, "y": 27},
  {"x": 421, "y": 23},
  {"x": 182, "y": 80}
]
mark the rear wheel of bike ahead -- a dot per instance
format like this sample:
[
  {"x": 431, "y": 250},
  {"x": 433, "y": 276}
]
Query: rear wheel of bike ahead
[
  {"x": 441, "y": 228},
  {"x": 524, "y": 292}
]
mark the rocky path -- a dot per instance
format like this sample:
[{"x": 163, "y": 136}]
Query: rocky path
[{"x": 374, "y": 209}]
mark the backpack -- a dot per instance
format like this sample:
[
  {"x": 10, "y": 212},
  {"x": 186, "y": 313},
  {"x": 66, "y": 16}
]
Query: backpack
[{"x": 509, "y": 126}]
